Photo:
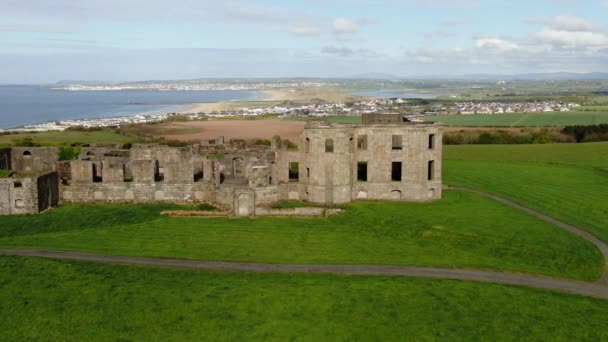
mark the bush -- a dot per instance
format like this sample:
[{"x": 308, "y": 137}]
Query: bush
[
  {"x": 263, "y": 142},
  {"x": 68, "y": 153},
  {"x": 26, "y": 142},
  {"x": 290, "y": 144},
  {"x": 587, "y": 133}
]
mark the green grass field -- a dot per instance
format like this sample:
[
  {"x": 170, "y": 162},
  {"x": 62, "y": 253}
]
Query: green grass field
[
  {"x": 345, "y": 119},
  {"x": 567, "y": 181},
  {"x": 4, "y": 173},
  {"x": 56, "y": 138},
  {"x": 463, "y": 231},
  {"x": 51, "y": 300},
  {"x": 524, "y": 119},
  {"x": 587, "y": 154}
]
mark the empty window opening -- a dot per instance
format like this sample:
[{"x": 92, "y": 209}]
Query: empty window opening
[
  {"x": 362, "y": 142},
  {"x": 431, "y": 141},
  {"x": 362, "y": 171},
  {"x": 18, "y": 185},
  {"x": 396, "y": 171},
  {"x": 431, "y": 170},
  {"x": 397, "y": 142},
  {"x": 307, "y": 172},
  {"x": 97, "y": 174},
  {"x": 19, "y": 203},
  {"x": 294, "y": 172},
  {"x": 126, "y": 174},
  {"x": 198, "y": 176},
  {"x": 159, "y": 175},
  {"x": 307, "y": 146},
  {"x": 238, "y": 167},
  {"x": 27, "y": 153},
  {"x": 329, "y": 145}
]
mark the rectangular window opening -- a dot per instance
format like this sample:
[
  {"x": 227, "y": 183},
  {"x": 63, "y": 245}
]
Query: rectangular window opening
[
  {"x": 362, "y": 171},
  {"x": 329, "y": 145},
  {"x": 396, "y": 171},
  {"x": 431, "y": 170},
  {"x": 362, "y": 142},
  {"x": 294, "y": 172},
  {"x": 397, "y": 142},
  {"x": 431, "y": 141}
]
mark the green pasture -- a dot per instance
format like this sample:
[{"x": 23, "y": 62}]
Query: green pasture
[
  {"x": 587, "y": 154},
  {"x": 56, "y": 138},
  {"x": 48, "y": 300},
  {"x": 566, "y": 181},
  {"x": 524, "y": 119},
  {"x": 461, "y": 231}
]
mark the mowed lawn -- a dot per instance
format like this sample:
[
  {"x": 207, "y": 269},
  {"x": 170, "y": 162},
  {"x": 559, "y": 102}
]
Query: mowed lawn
[
  {"x": 566, "y": 181},
  {"x": 524, "y": 119},
  {"x": 463, "y": 230},
  {"x": 51, "y": 300}
]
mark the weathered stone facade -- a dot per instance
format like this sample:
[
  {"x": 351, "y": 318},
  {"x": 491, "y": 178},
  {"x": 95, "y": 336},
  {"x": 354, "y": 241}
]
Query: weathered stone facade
[
  {"x": 334, "y": 163},
  {"x": 29, "y": 194}
]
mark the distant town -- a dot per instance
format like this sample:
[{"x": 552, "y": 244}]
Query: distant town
[
  {"x": 410, "y": 107},
  {"x": 194, "y": 85}
]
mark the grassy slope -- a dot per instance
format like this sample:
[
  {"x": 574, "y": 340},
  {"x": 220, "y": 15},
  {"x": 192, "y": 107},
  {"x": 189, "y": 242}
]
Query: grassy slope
[
  {"x": 524, "y": 119},
  {"x": 588, "y": 154},
  {"x": 575, "y": 192},
  {"x": 4, "y": 173},
  {"x": 471, "y": 231},
  {"x": 87, "y": 301},
  {"x": 58, "y": 138}
]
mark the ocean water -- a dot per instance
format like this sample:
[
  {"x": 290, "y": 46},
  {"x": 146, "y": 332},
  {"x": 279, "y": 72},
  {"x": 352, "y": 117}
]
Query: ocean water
[
  {"x": 399, "y": 94},
  {"x": 23, "y": 105}
]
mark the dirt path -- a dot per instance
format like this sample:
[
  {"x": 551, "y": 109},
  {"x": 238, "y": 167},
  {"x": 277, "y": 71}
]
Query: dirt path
[
  {"x": 570, "y": 286},
  {"x": 601, "y": 245}
]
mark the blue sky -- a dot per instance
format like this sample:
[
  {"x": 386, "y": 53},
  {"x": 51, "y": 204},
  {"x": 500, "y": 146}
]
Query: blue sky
[{"x": 45, "y": 41}]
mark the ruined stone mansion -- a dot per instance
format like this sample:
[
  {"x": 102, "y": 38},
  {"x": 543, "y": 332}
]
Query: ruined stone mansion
[{"x": 385, "y": 158}]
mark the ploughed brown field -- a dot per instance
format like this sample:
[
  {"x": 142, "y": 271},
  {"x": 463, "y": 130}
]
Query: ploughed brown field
[{"x": 230, "y": 129}]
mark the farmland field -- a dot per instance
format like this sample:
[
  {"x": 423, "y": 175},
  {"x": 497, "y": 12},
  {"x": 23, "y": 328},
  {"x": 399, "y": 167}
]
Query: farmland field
[
  {"x": 78, "y": 301},
  {"x": 587, "y": 154},
  {"x": 524, "y": 119},
  {"x": 471, "y": 232},
  {"x": 575, "y": 191},
  {"x": 344, "y": 119}
]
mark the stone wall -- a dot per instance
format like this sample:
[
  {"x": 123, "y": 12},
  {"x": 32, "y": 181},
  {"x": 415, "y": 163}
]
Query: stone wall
[
  {"x": 34, "y": 159},
  {"x": 28, "y": 195},
  {"x": 5, "y": 159}
]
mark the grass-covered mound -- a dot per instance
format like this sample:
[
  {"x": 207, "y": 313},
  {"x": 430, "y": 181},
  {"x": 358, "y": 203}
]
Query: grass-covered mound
[
  {"x": 51, "y": 300},
  {"x": 463, "y": 231}
]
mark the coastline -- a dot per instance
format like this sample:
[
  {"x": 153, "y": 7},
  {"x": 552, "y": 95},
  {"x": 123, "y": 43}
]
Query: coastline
[{"x": 265, "y": 96}]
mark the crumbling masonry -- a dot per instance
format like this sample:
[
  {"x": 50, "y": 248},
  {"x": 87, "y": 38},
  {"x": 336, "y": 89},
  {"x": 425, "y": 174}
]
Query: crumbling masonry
[{"x": 384, "y": 159}]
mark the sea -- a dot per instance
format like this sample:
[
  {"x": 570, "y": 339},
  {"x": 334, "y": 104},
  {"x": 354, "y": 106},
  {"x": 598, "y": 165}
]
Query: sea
[{"x": 25, "y": 105}]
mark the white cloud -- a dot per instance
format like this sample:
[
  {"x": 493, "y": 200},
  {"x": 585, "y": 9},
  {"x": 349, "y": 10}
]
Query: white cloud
[
  {"x": 572, "y": 38},
  {"x": 498, "y": 44},
  {"x": 342, "y": 26},
  {"x": 304, "y": 29},
  {"x": 564, "y": 23}
]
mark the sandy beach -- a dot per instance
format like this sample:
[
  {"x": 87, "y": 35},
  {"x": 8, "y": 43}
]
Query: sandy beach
[{"x": 267, "y": 96}]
